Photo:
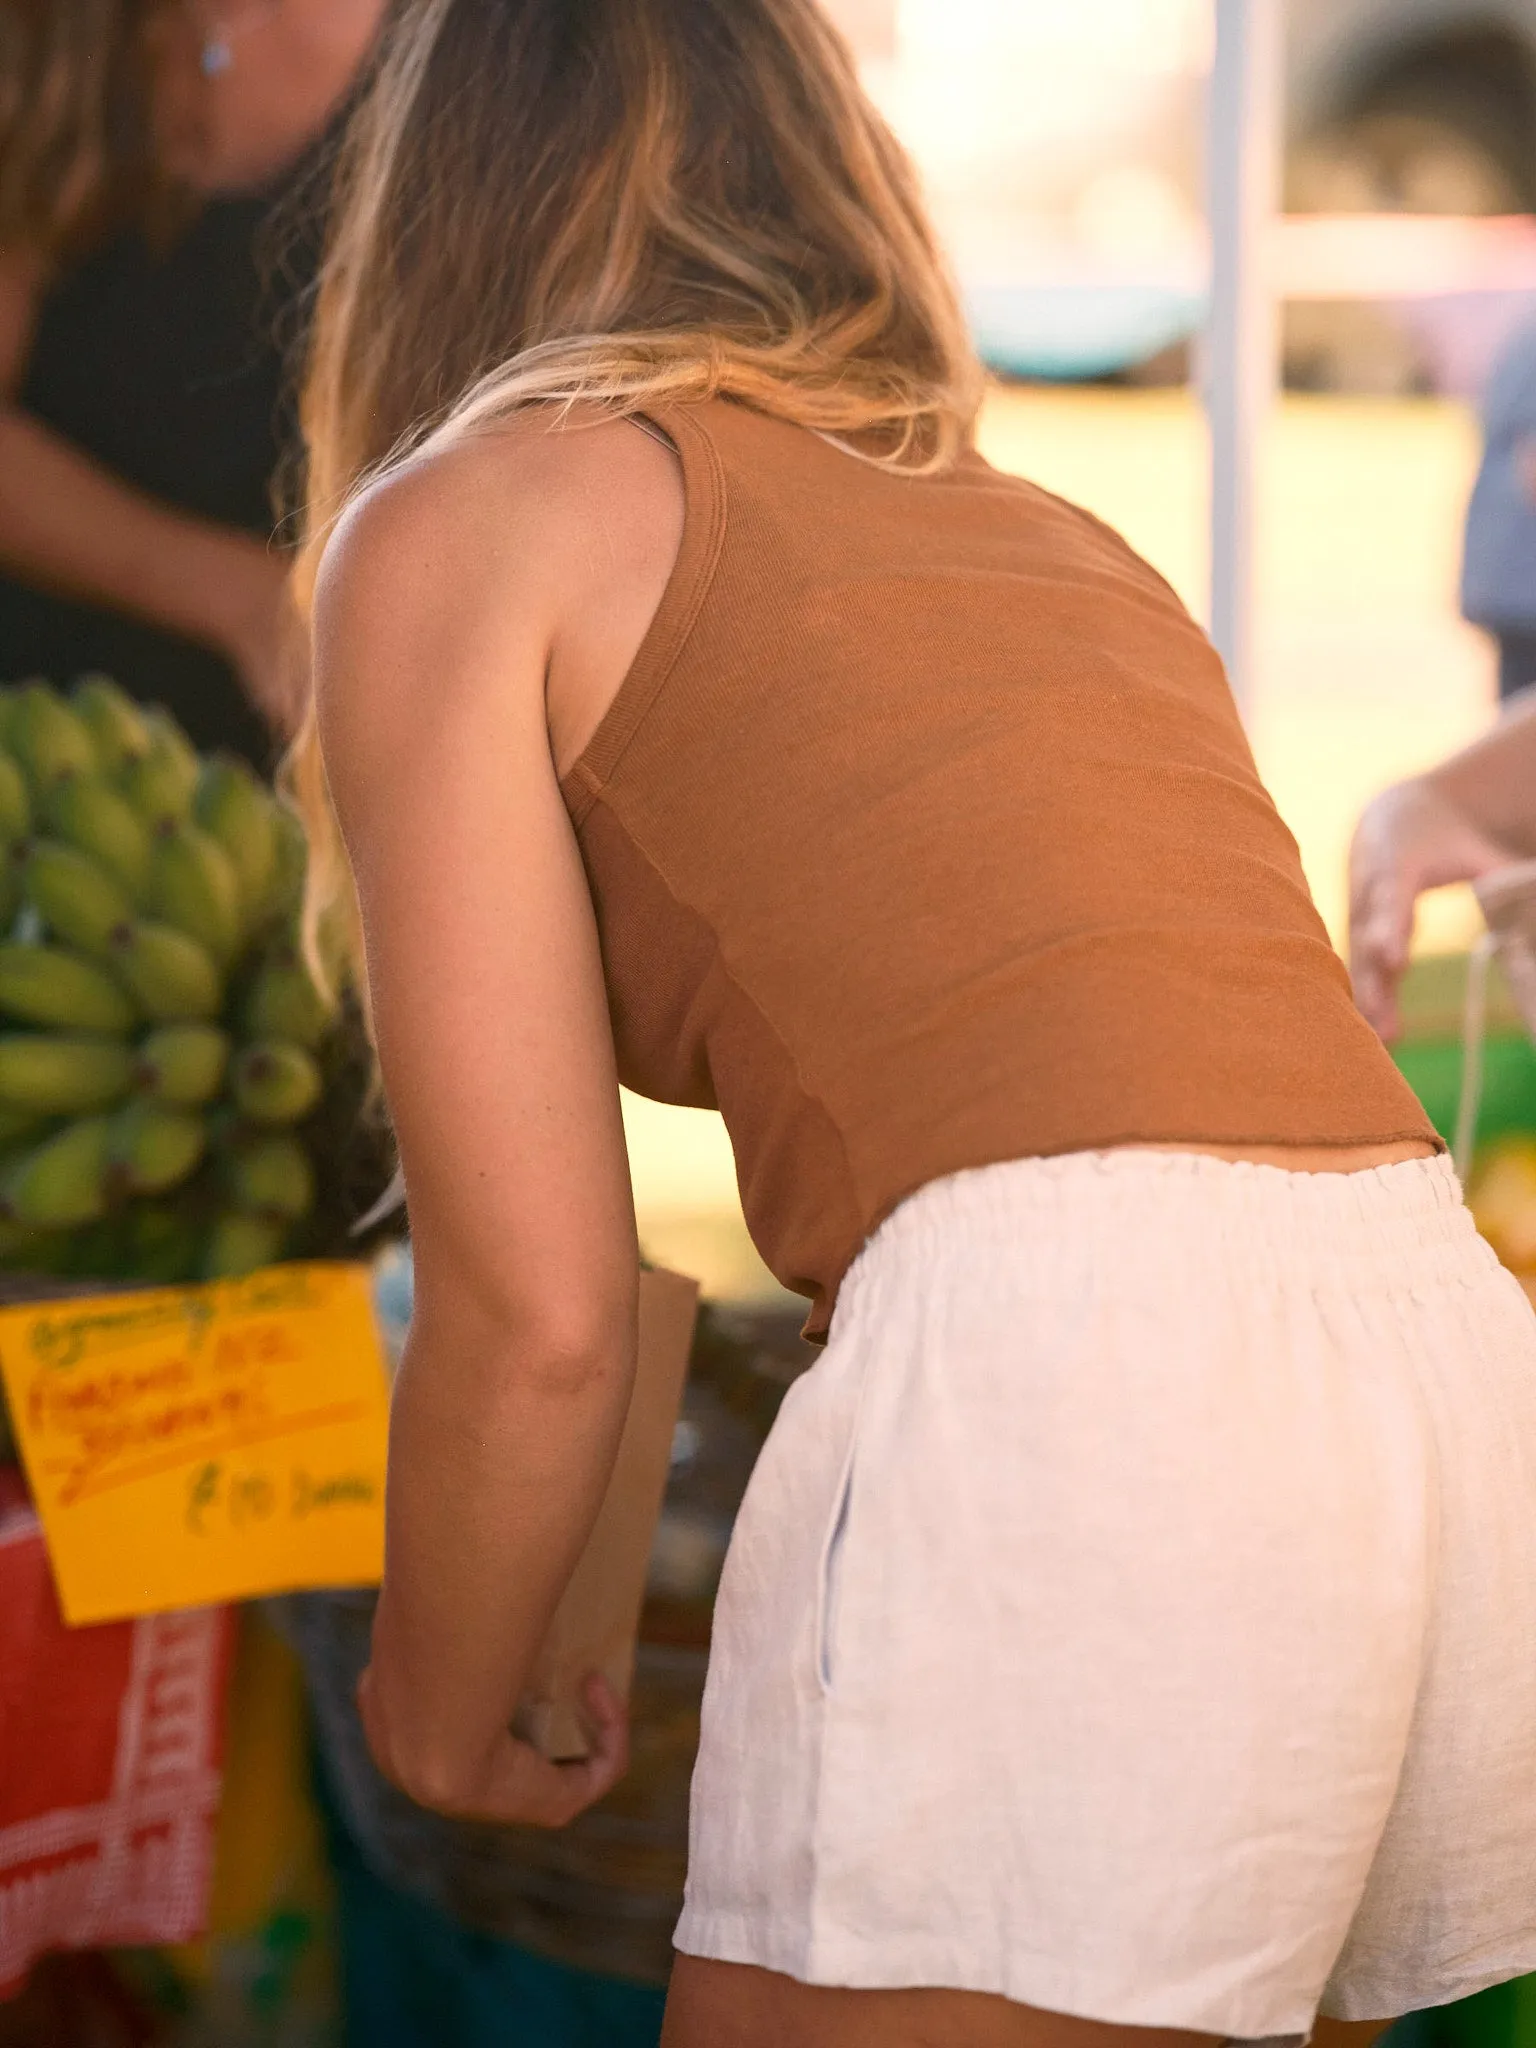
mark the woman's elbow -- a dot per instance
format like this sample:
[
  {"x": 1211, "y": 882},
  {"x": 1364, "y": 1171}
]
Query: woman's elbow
[
  {"x": 440, "y": 1783},
  {"x": 561, "y": 1345},
  {"x": 426, "y": 1769}
]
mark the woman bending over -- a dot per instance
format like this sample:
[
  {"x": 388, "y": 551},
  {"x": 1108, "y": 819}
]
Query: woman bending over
[{"x": 1131, "y": 1626}]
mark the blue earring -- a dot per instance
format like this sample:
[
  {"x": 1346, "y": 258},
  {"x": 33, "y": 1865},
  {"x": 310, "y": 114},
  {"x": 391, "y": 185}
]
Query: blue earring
[{"x": 217, "y": 57}]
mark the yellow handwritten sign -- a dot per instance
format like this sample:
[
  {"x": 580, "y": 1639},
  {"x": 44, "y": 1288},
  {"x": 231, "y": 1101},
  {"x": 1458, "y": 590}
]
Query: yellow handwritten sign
[{"x": 199, "y": 1444}]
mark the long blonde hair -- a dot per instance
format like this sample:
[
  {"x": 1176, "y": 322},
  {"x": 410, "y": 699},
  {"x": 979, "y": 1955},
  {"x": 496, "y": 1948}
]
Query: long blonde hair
[
  {"x": 74, "y": 122},
  {"x": 632, "y": 202}
]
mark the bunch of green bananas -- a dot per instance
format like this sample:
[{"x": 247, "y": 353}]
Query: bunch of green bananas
[{"x": 161, "y": 1037}]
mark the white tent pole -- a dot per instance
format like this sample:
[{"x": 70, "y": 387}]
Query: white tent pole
[{"x": 1242, "y": 335}]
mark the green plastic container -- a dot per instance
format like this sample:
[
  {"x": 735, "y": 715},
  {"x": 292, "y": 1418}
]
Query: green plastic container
[
  {"x": 1429, "y": 1053},
  {"x": 1433, "y": 1071},
  {"x": 1504, "y": 2017}
]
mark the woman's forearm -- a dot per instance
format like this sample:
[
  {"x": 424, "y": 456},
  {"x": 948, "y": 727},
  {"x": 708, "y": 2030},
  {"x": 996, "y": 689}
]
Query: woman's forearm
[
  {"x": 1492, "y": 783},
  {"x": 68, "y": 525},
  {"x": 1465, "y": 819},
  {"x": 500, "y": 1451}
]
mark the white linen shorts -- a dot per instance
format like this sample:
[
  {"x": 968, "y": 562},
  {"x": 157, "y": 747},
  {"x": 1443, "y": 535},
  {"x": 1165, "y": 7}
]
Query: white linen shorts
[{"x": 1133, "y": 1612}]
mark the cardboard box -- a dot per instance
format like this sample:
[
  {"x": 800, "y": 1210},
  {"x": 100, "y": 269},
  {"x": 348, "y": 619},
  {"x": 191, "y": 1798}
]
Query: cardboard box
[{"x": 597, "y": 1622}]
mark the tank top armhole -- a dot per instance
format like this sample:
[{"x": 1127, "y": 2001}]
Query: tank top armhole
[{"x": 704, "y": 505}]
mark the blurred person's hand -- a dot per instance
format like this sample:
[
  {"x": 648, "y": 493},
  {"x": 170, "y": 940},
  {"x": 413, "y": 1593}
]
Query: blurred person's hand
[
  {"x": 514, "y": 1786},
  {"x": 1412, "y": 838},
  {"x": 258, "y": 630}
]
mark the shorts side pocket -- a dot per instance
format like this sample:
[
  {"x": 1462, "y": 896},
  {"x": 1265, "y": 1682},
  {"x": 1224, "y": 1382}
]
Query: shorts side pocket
[
  {"x": 829, "y": 1573},
  {"x": 829, "y": 1576}
]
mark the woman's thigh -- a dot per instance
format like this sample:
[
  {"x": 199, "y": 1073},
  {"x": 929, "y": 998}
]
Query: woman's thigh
[
  {"x": 732, "y": 2005},
  {"x": 1348, "y": 2033}
]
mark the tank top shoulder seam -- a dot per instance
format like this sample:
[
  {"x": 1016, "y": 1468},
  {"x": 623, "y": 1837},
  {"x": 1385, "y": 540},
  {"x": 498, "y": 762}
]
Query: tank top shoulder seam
[{"x": 688, "y": 585}]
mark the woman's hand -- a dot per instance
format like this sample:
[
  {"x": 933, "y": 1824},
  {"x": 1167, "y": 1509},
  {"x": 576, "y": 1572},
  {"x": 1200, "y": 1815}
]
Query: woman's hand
[
  {"x": 68, "y": 525},
  {"x": 1412, "y": 838},
  {"x": 513, "y": 1785}
]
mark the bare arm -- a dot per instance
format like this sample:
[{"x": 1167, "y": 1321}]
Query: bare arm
[
  {"x": 1492, "y": 783},
  {"x": 1474, "y": 813},
  {"x": 68, "y": 525},
  {"x": 433, "y": 633}
]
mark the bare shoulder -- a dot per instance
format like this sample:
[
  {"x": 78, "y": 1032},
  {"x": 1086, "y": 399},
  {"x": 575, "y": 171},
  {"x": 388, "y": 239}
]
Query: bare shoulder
[
  {"x": 524, "y": 517},
  {"x": 513, "y": 573}
]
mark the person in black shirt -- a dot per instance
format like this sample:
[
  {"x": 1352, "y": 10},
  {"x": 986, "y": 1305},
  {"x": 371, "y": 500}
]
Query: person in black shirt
[{"x": 142, "y": 371}]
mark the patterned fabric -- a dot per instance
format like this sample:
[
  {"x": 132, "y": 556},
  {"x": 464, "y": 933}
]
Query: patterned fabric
[{"x": 110, "y": 1753}]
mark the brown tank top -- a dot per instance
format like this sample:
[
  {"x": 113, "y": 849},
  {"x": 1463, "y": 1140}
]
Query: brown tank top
[{"x": 923, "y": 834}]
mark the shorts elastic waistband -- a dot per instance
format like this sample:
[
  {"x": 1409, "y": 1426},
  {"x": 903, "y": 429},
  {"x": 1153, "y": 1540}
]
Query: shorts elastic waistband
[{"x": 1088, "y": 1218}]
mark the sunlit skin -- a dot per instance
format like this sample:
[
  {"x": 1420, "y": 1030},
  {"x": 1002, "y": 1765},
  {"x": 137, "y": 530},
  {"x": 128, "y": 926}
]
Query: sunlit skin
[
  {"x": 475, "y": 616},
  {"x": 724, "y": 2005},
  {"x": 1472, "y": 815}
]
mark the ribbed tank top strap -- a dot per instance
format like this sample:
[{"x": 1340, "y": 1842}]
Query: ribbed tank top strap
[{"x": 704, "y": 513}]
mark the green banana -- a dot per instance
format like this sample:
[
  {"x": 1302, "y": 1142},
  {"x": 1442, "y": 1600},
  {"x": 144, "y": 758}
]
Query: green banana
[
  {"x": 15, "y": 803},
  {"x": 284, "y": 1002},
  {"x": 239, "y": 1244},
  {"x": 155, "y": 787},
  {"x": 10, "y": 697},
  {"x": 114, "y": 721},
  {"x": 170, "y": 976},
  {"x": 170, "y": 744},
  {"x": 46, "y": 985},
  {"x": 62, "y": 1076},
  {"x": 274, "y": 1082},
  {"x": 271, "y": 1176},
  {"x": 152, "y": 1150},
  {"x": 62, "y": 1183},
  {"x": 75, "y": 896},
  {"x": 290, "y": 864},
  {"x": 48, "y": 739},
  {"x": 182, "y": 1064},
  {"x": 233, "y": 806},
  {"x": 193, "y": 885},
  {"x": 87, "y": 814},
  {"x": 161, "y": 783}
]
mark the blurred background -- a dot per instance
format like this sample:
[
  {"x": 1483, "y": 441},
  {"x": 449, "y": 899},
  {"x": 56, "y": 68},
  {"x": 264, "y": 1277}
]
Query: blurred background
[
  {"x": 1062, "y": 145},
  {"x": 1062, "y": 149}
]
